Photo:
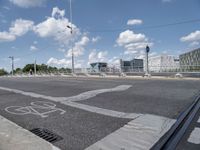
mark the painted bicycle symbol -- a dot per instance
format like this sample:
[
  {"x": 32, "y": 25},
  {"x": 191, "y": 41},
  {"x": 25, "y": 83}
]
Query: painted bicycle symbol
[{"x": 39, "y": 108}]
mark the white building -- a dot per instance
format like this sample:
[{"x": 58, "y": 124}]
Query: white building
[{"x": 163, "y": 63}]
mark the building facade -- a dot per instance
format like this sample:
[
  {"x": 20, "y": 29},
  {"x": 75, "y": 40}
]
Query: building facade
[
  {"x": 98, "y": 67},
  {"x": 190, "y": 61},
  {"x": 163, "y": 63},
  {"x": 135, "y": 65}
]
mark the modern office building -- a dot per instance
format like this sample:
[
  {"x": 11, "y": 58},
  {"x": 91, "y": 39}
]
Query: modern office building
[
  {"x": 135, "y": 65},
  {"x": 98, "y": 67},
  {"x": 190, "y": 61},
  {"x": 163, "y": 63}
]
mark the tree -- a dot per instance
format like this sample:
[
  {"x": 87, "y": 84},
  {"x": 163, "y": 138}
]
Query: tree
[
  {"x": 3, "y": 72},
  {"x": 28, "y": 67}
]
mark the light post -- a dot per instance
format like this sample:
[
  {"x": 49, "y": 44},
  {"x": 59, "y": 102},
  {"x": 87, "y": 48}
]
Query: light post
[
  {"x": 147, "y": 59},
  {"x": 12, "y": 59},
  {"x": 71, "y": 31}
]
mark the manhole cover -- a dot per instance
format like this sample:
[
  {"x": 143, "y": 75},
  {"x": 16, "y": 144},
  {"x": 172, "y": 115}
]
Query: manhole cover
[{"x": 46, "y": 135}]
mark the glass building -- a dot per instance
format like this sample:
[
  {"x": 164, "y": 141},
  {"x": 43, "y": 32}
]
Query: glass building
[{"x": 190, "y": 61}]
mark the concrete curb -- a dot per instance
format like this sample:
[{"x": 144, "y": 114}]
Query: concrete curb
[{"x": 15, "y": 137}]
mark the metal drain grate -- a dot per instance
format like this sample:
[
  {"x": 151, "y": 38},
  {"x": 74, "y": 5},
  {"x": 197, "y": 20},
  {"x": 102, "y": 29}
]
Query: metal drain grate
[{"x": 46, "y": 135}]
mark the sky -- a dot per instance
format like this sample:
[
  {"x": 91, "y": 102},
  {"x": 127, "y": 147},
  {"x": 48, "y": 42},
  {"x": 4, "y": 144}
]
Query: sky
[{"x": 103, "y": 30}]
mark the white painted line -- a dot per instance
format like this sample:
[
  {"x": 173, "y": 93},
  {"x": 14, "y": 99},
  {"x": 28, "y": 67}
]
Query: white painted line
[
  {"x": 139, "y": 134},
  {"x": 93, "y": 93},
  {"x": 69, "y": 101},
  {"x": 14, "y": 137},
  {"x": 198, "y": 120},
  {"x": 195, "y": 136},
  {"x": 102, "y": 111}
]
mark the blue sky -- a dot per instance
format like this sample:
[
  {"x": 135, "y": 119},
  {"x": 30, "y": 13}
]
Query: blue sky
[{"x": 103, "y": 30}]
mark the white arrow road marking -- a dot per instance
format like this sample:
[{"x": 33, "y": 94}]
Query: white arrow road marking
[
  {"x": 195, "y": 136},
  {"x": 139, "y": 134}
]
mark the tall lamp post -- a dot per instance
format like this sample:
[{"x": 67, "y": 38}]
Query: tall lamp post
[
  {"x": 12, "y": 59},
  {"x": 71, "y": 28},
  {"x": 147, "y": 59}
]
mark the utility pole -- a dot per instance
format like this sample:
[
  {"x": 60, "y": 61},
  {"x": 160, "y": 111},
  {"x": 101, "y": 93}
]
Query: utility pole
[
  {"x": 35, "y": 68},
  {"x": 71, "y": 28},
  {"x": 12, "y": 59}
]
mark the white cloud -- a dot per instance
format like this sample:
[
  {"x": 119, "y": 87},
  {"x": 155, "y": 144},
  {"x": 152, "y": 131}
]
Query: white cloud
[
  {"x": 95, "y": 56},
  {"x": 128, "y": 37},
  {"x": 56, "y": 27},
  {"x": 79, "y": 47},
  {"x": 134, "y": 22},
  {"x": 96, "y": 39},
  {"x": 59, "y": 62},
  {"x": 33, "y": 48},
  {"x": 28, "y": 3},
  {"x": 6, "y": 37},
  {"x": 114, "y": 61},
  {"x": 193, "y": 44},
  {"x": 193, "y": 38},
  {"x": 18, "y": 28},
  {"x": 133, "y": 42},
  {"x": 57, "y": 13}
]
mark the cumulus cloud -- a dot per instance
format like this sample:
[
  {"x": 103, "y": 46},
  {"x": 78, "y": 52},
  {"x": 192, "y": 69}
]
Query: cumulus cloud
[
  {"x": 28, "y": 3},
  {"x": 33, "y": 48},
  {"x": 79, "y": 47},
  {"x": 58, "y": 62},
  {"x": 134, "y": 22},
  {"x": 56, "y": 27},
  {"x": 132, "y": 42},
  {"x": 95, "y": 56},
  {"x": 6, "y": 37},
  {"x": 96, "y": 39},
  {"x": 193, "y": 38},
  {"x": 18, "y": 28}
]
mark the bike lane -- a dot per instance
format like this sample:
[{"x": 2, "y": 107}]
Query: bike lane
[{"x": 78, "y": 128}]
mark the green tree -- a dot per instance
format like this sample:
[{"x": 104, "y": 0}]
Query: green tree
[{"x": 3, "y": 72}]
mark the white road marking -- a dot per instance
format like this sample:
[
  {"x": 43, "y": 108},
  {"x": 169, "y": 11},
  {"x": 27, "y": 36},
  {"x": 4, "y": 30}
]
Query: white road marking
[
  {"x": 93, "y": 93},
  {"x": 102, "y": 111},
  {"x": 198, "y": 120},
  {"x": 195, "y": 136},
  {"x": 38, "y": 108},
  {"x": 139, "y": 134},
  {"x": 82, "y": 96},
  {"x": 69, "y": 101}
]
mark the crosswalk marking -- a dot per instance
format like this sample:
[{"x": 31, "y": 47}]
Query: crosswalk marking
[{"x": 195, "y": 136}]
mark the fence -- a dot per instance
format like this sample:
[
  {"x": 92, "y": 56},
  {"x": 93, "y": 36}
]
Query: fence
[{"x": 193, "y": 71}]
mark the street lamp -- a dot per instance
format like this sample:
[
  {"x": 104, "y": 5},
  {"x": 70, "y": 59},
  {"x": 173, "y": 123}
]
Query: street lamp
[
  {"x": 147, "y": 59},
  {"x": 12, "y": 59},
  {"x": 71, "y": 31}
]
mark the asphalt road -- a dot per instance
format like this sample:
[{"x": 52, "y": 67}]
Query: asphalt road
[{"x": 80, "y": 128}]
